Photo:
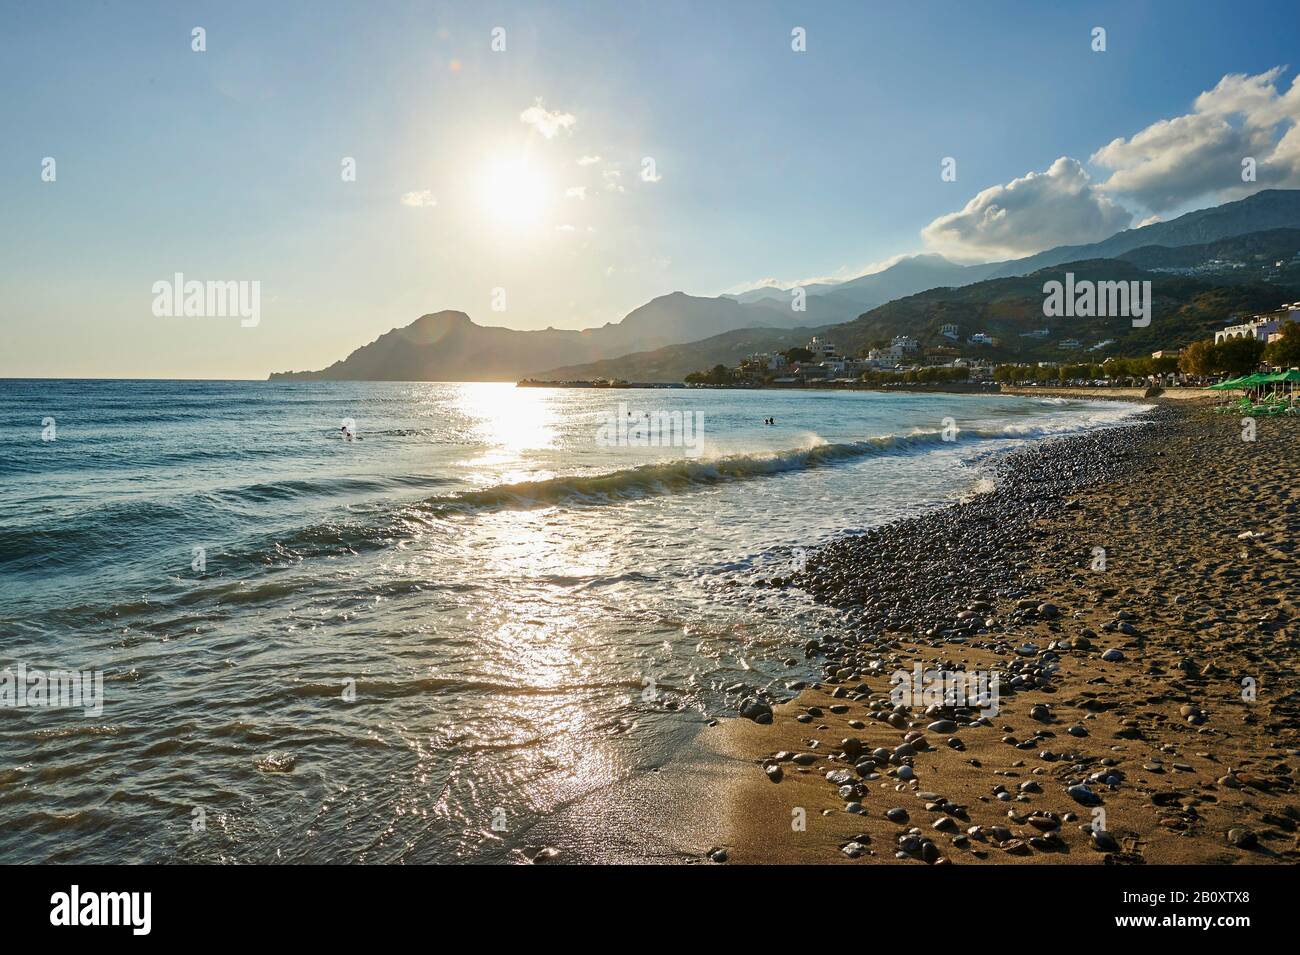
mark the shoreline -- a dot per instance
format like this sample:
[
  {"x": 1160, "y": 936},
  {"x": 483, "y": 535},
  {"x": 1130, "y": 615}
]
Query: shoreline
[
  {"x": 1183, "y": 768},
  {"x": 1111, "y": 394}
]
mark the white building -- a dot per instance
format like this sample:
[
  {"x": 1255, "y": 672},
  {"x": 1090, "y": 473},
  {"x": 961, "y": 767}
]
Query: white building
[
  {"x": 1069, "y": 343},
  {"x": 980, "y": 338},
  {"x": 904, "y": 343},
  {"x": 770, "y": 362},
  {"x": 949, "y": 331},
  {"x": 885, "y": 357},
  {"x": 1259, "y": 327},
  {"x": 822, "y": 349}
]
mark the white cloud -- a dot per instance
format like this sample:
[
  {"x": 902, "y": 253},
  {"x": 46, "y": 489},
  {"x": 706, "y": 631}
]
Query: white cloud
[
  {"x": 576, "y": 192},
  {"x": 588, "y": 160},
  {"x": 547, "y": 122},
  {"x": 1176, "y": 161},
  {"x": 613, "y": 180},
  {"x": 1167, "y": 166},
  {"x": 1037, "y": 211},
  {"x": 564, "y": 228},
  {"x": 420, "y": 200}
]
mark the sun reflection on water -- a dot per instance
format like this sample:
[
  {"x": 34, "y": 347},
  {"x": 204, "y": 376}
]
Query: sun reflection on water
[{"x": 510, "y": 421}]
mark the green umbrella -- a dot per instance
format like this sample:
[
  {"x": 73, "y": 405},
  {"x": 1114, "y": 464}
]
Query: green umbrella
[{"x": 1229, "y": 385}]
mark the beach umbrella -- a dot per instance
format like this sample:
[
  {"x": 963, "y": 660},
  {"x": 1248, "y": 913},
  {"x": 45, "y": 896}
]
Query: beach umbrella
[
  {"x": 1287, "y": 378},
  {"x": 1228, "y": 385}
]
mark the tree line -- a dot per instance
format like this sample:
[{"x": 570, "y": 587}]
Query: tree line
[{"x": 1241, "y": 356}]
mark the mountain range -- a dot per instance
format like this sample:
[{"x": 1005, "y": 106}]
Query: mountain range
[
  {"x": 677, "y": 333},
  {"x": 449, "y": 346},
  {"x": 1184, "y": 309},
  {"x": 1270, "y": 209}
]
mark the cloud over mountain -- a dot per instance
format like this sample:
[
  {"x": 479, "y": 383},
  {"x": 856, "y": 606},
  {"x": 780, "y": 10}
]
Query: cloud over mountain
[
  {"x": 1170, "y": 164},
  {"x": 1037, "y": 211},
  {"x": 1176, "y": 161}
]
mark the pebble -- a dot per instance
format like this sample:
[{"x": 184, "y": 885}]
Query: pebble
[
  {"x": 1083, "y": 795},
  {"x": 1242, "y": 838},
  {"x": 1103, "y": 841}
]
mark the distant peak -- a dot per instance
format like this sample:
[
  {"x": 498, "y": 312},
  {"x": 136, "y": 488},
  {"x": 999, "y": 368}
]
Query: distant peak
[{"x": 446, "y": 317}]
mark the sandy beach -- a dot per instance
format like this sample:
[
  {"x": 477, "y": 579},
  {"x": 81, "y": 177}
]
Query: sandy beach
[{"x": 1148, "y": 705}]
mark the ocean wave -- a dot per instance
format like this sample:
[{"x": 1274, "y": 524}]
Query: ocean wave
[
  {"x": 660, "y": 479},
  {"x": 335, "y": 486},
  {"x": 664, "y": 478}
]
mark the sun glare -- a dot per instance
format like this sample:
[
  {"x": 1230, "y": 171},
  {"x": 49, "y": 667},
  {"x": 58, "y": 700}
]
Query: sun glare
[{"x": 516, "y": 193}]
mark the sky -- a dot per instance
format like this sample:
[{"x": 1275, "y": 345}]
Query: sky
[{"x": 559, "y": 164}]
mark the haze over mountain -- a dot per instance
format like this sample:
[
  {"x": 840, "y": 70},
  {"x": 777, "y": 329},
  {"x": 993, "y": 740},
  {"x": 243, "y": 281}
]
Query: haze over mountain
[{"x": 449, "y": 346}]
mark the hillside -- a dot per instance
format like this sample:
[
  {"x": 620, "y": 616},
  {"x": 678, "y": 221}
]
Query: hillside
[
  {"x": 449, "y": 346},
  {"x": 1184, "y": 310},
  {"x": 1254, "y": 252},
  {"x": 1266, "y": 211},
  {"x": 675, "y": 362}
]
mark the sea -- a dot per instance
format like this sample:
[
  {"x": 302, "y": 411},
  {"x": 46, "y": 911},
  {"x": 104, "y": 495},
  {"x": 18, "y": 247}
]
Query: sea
[{"x": 359, "y": 622}]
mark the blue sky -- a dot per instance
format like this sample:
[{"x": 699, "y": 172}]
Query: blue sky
[{"x": 771, "y": 164}]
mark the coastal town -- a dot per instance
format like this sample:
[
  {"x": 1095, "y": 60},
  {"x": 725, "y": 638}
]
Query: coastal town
[{"x": 1269, "y": 341}]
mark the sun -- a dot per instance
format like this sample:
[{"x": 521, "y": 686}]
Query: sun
[{"x": 516, "y": 193}]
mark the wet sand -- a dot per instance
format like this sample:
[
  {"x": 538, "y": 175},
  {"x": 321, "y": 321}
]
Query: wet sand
[{"x": 1163, "y": 736}]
